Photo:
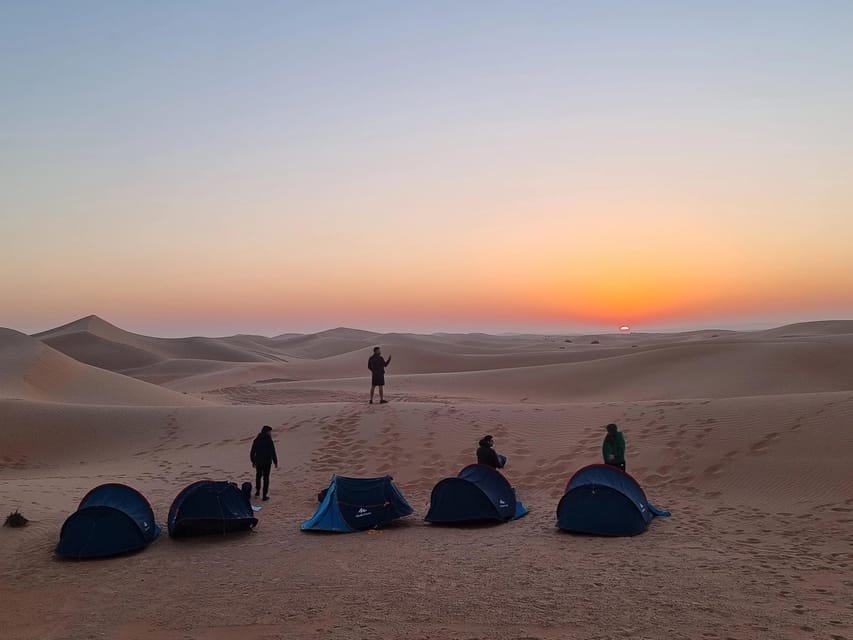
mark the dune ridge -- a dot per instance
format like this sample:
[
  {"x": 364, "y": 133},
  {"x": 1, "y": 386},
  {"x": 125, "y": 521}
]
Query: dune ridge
[
  {"x": 99, "y": 343},
  {"x": 31, "y": 370}
]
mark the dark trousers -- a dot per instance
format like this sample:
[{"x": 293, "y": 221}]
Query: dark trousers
[{"x": 262, "y": 471}]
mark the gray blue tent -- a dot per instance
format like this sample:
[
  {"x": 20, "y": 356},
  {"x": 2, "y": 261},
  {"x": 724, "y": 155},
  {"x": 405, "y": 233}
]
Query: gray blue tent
[
  {"x": 211, "y": 507},
  {"x": 479, "y": 493},
  {"x": 356, "y": 504},
  {"x": 111, "y": 519},
  {"x": 601, "y": 499}
]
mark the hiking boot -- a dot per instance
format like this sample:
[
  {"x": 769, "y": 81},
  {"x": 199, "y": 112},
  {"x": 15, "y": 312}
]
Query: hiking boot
[
  {"x": 383, "y": 402},
  {"x": 265, "y": 498}
]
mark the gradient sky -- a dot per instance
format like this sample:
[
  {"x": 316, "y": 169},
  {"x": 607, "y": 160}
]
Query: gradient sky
[{"x": 221, "y": 167}]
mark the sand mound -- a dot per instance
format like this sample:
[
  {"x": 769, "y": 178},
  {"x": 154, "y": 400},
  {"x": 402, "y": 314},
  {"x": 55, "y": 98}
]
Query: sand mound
[
  {"x": 171, "y": 373},
  {"x": 31, "y": 370},
  {"x": 318, "y": 345},
  {"x": 100, "y": 352},
  {"x": 683, "y": 371},
  {"x": 101, "y": 344},
  {"x": 691, "y": 370},
  {"x": 808, "y": 329}
]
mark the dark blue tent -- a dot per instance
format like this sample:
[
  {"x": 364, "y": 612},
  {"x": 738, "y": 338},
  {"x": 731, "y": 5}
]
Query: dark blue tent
[
  {"x": 604, "y": 500},
  {"x": 111, "y": 519},
  {"x": 478, "y": 494},
  {"x": 356, "y": 504},
  {"x": 210, "y": 507}
]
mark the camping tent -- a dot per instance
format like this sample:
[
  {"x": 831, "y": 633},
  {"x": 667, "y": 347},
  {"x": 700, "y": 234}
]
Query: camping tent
[
  {"x": 604, "y": 500},
  {"x": 111, "y": 519},
  {"x": 356, "y": 504},
  {"x": 210, "y": 507},
  {"x": 479, "y": 493}
]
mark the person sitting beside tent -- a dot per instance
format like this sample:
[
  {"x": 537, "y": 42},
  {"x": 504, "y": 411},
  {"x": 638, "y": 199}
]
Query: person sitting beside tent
[
  {"x": 613, "y": 448},
  {"x": 487, "y": 455}
]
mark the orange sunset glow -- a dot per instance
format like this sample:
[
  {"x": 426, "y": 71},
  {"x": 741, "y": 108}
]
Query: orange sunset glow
[{"x": 463, "y": 204}]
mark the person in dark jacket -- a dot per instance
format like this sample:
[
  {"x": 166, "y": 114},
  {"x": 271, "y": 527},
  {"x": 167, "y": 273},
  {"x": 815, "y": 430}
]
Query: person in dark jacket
[
  {"x": 377, "y": 365},
  {"x": 263, "y": 457},
  {"x": 487, "y": 455},
  {"x": 613, "y": 447}
]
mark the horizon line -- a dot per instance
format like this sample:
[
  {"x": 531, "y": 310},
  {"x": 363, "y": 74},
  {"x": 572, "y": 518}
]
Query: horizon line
[{"x": 565, "y": 332}]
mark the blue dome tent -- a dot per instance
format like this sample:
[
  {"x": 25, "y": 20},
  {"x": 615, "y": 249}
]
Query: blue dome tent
[
  {"x": 356, "y": 504},
  {"x": 112, "y": 519},
  {"x": 478, "y": 494},
  {"x": 210, "y": 507},
  {"x": 601, "y": 499}
]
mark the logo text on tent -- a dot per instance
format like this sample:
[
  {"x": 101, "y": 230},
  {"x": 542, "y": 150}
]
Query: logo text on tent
[
  {"x": 502, "y": 503},
  {"x": 362, "y": 512}
]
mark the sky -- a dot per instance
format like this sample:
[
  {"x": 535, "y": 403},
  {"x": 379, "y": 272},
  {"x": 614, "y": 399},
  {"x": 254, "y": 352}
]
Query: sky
[{"x": 221, "y": 167}]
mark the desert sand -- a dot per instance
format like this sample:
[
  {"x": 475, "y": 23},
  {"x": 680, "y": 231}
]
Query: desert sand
[{"x": 744, "y": 436}]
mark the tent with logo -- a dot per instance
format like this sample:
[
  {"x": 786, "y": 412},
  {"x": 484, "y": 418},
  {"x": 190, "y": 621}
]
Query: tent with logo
[
  {"x": 601, "y": 499},
  {"x": 211, "y": 507},
  {"x": 477, "y": 494},
  {"x": 356, "y": 504},
  {"x": 111, "y": 519}
]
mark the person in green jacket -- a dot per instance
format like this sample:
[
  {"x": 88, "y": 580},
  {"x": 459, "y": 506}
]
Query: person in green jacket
[{"x": 613, "y": 448}]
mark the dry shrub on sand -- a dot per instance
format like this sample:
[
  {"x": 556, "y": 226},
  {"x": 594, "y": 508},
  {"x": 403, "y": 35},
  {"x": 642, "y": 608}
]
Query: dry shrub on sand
[{"x": 15, "y": 519}]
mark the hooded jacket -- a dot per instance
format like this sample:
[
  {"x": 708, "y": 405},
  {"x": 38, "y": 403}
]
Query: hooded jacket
[
  {"x": 487, "y": 455},
  {"x": 614, "y": 445},
  {"x": 263, "y": 450}
]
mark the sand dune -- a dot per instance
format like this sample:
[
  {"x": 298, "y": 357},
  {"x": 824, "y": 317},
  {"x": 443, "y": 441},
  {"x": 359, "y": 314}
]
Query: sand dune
[
  {"x": 743, "y": 436},
  {"x": 409, "y": 358},
  {"x": 101, "y": 344},
  {"x": 693, "y": 370},
  {"x": 684, "y": 371},
  {"x": 170, "y": 373},
  {"x": 31, "y": 370},
  {"x": 807, "y": 329}
]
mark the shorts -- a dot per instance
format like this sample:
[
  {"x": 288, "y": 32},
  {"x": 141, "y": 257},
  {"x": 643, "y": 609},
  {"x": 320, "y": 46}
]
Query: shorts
[{"x": 378, "y": 380}]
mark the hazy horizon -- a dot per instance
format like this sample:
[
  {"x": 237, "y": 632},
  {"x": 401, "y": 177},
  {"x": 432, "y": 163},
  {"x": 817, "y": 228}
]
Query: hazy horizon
[
  {"x": 154, "y": 331},
  {"x": 446, "y": 167}
]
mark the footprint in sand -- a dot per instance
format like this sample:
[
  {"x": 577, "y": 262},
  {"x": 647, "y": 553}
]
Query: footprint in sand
[{"x": 762, "y": 446}]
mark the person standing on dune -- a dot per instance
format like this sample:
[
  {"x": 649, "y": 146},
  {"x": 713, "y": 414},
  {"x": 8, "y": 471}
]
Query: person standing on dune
[
  {"x": 613, "y": 447},
  {"x": 377, "y": 365},
  {"x": 263, "y": 457}
]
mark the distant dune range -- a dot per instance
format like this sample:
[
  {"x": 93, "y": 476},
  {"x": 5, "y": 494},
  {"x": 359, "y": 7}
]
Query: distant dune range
[
  {"x": 701, "y": 364},
  {"x": 745, "y": 436}
]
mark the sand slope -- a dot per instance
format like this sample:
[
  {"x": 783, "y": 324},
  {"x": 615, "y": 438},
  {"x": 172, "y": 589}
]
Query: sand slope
[
  {"x": 99, "y": 343},
  {"x": 31, "y": 370},
  {"x": 692, "y": 370}
]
